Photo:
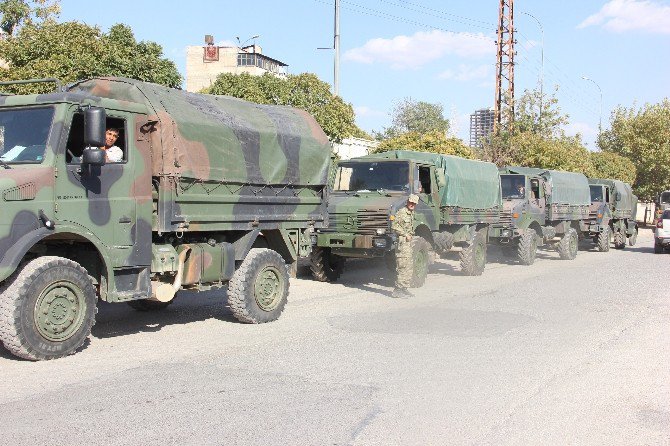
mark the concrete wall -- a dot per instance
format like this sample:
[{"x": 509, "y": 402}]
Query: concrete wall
[{"x": 353, "y": 147}]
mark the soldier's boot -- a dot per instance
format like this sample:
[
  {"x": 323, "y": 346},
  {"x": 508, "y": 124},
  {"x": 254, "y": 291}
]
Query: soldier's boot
[
  {"x": 407, "y": 293},
  {"x": 398, "y": 293}
]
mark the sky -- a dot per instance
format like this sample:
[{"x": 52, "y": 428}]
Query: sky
[{"x": 430, "y": 50}]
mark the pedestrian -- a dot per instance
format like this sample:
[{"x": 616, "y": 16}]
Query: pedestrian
[{"x": 403, "y": 226}]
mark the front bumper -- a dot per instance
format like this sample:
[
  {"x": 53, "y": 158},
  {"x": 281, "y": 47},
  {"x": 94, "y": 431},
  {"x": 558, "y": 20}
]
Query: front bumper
[
  {"x": 663, "y": 241},
  {"x": 356, "y": 245}
]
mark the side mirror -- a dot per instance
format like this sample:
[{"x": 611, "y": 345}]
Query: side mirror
[
  {"x": 93, "y": 156},
  {"x": 95, "y": 126},
  {"x": 617, "y": 196}
]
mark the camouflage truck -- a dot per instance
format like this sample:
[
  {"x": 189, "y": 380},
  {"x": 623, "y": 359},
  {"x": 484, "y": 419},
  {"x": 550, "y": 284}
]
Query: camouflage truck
[
  {"x": 458, "y": 200},
  {"x": 541, "y": 207},
  {"x": 612, "y": 214},
  {"x": 211, "y": 191}
]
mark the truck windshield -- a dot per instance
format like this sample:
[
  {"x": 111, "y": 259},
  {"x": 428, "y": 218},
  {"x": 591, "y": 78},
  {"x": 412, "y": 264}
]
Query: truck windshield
[
  {"x": 24, "y": 133},
  {"x": 513, "y": 186},
  {"x": 362, "y": 176},
  {"x": 596, "y": 193}
]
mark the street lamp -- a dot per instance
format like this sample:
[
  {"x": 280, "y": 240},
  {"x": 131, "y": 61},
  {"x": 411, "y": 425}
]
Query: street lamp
[
  {"x": 600, "y": 121},
  {"x": 240, "y": 45},
  {"x": 541, "y": 64}
]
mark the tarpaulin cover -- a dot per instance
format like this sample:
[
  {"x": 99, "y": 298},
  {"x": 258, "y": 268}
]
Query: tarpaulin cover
[
  {"x": 627, "y": 201},
  {"x": 566, "y": 187},
  {"x": 470, "y": 184},
  {"x": 220, "y": 138}
]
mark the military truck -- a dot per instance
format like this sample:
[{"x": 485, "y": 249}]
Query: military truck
[
  {"x": 211, "y": 191},
  {"x": 541, "y": 207},
  {"x": 458, "y": 200},
  {"x": 612, "y": 213}
]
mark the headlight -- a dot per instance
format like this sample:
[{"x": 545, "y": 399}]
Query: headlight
[
  {"x": 379, "y": 243},
  {"x": 381, "y": 231},
  {"x": 313, "y": 239},
  {"x": 506, "y": 233}
]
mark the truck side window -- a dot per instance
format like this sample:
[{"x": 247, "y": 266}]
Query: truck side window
[
  {"x": 424, "y": 179},
  {"x": 75, "y": 141},
  {"x": 535, "y": 189}
]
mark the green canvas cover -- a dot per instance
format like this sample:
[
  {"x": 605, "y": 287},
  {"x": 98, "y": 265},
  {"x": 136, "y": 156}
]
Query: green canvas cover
[
  {"x": 470, "y": 184},
  {"x": 628, "y": 200},
  {"x": 220, "y": 138},
  {"x": 566, "y": 187}
]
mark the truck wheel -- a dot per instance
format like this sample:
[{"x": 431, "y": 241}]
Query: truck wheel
[
  {"x": 603, "y": 239},
  {"x": 325, "y": 266},
  {"x": 567, "y": 247},
  {"x": 658, "y": 248},
  {"x": 421, "y": 260},
  {"x": 632, "y": 240},
  {"x": 619, "y": 240},
  {"x": 258, "y": 290},
  {"x": 527, "y": 249},
  {"x": 389, "y": 261},
  {"x": 47, "y": 309},
  {"x": 473, "y": 256},
  {"x": 148, "y": 305}
]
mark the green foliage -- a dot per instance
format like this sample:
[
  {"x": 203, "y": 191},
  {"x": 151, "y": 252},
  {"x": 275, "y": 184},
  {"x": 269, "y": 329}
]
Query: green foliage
[
  {"x": 643, "y": 136},
  {"x": 613, "y": 166},
  {"x": 305, "y": 91},
  {"x": 410, "y": 116},
  {"x": 547, "y": 123},
  {"x": 562, "y": 153},
  {"x": 434, "y": 141},
  {"x": 17, "y": 12},
  {"x": 73, "y": 51}
]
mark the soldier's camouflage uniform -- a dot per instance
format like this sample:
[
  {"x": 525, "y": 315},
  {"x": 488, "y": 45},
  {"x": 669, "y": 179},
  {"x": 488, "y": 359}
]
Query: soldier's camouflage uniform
[{"x": 403, "y": 225}]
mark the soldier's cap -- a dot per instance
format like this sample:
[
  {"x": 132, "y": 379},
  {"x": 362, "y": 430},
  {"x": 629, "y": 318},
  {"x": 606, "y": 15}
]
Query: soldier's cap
[{"x": 413, "y": 199}]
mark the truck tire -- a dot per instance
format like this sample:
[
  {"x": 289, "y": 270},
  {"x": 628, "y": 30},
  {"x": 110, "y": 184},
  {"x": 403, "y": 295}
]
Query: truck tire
[
  {"x": 567, "y": 247},
  {"x": 632, "y": 240},
  {"x": 148, "y": 305},
  {"x": 658, "y": 248},
  {"x": 421, "y": 260},
  {"x": 47, "y": 309},
  {"x": 258, "y": 290},
  {"x": 325, "y": 266},
  {"x": 527, "y": 249},
  {"x": 603, "y": 239},
  {"x": 619, "y": 240},
  {"x": 443, "y": 241},
  {"x": 473, "y": 256},
  {"x": 389, "y": 261}
]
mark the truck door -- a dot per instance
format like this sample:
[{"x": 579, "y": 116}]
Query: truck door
[
  {"x": 100, "y": 199},
  {"x": 536, "y": 197},
  {"x": 428, "y": 208}
]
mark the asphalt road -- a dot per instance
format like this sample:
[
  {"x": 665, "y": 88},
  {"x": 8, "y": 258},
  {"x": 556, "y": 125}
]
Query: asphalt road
[{"x": 560, "y": 352}]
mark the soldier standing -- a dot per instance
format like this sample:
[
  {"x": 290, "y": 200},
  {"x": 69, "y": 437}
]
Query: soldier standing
[{"x": 403, "y": 226}]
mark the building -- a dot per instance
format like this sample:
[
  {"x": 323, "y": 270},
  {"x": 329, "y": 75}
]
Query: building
[
  {"x": 205, "y": 63},
  {"x": 353, "y": 147},
  {"x": 481, "y": 126}
]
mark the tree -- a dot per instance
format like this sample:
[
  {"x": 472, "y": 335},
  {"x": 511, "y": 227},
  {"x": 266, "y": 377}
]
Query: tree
[
  {"x": 613, "y": 166},
  {"x": 564, "y": 153},
  {"x": 434, "y": 141},
  {"x": 72, "y": 51},
  {"x": 528, "y": 117},
  {"x": 415, "y": 116},
  {"x": 305, "y": 91},
  {"x": 16, "y": 12},
  {"x": 643, "y": 136}
]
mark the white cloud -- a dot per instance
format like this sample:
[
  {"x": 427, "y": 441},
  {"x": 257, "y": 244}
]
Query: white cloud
[
  {"x": 414, "y": 51},
  {"x": 628, "y": 15},
  {"x": 589, "y": 133},
  {"x": 365, "y": 111},
  {"x": 466, "y": 73}
]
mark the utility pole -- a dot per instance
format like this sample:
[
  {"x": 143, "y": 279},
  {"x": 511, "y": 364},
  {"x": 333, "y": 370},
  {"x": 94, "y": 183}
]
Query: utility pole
[
  {"x": 336, "y": 46},
  {"x": 504, "y": 101}
]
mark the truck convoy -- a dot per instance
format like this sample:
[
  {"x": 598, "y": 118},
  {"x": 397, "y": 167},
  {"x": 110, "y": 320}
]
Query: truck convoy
[
  {"x": 612, "y": 213},
  {"x": 211, "y": 191},
  {"x": 459, "y": 199},
  {"x": 541, "y": 207}
]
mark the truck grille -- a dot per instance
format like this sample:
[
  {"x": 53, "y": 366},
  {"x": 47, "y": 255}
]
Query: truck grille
[
  {"x": 505, "y": 218},
  {"x": 362, "y": 222}
]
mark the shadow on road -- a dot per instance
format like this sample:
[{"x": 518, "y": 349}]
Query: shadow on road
[{"x": 118, "y": 319}]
